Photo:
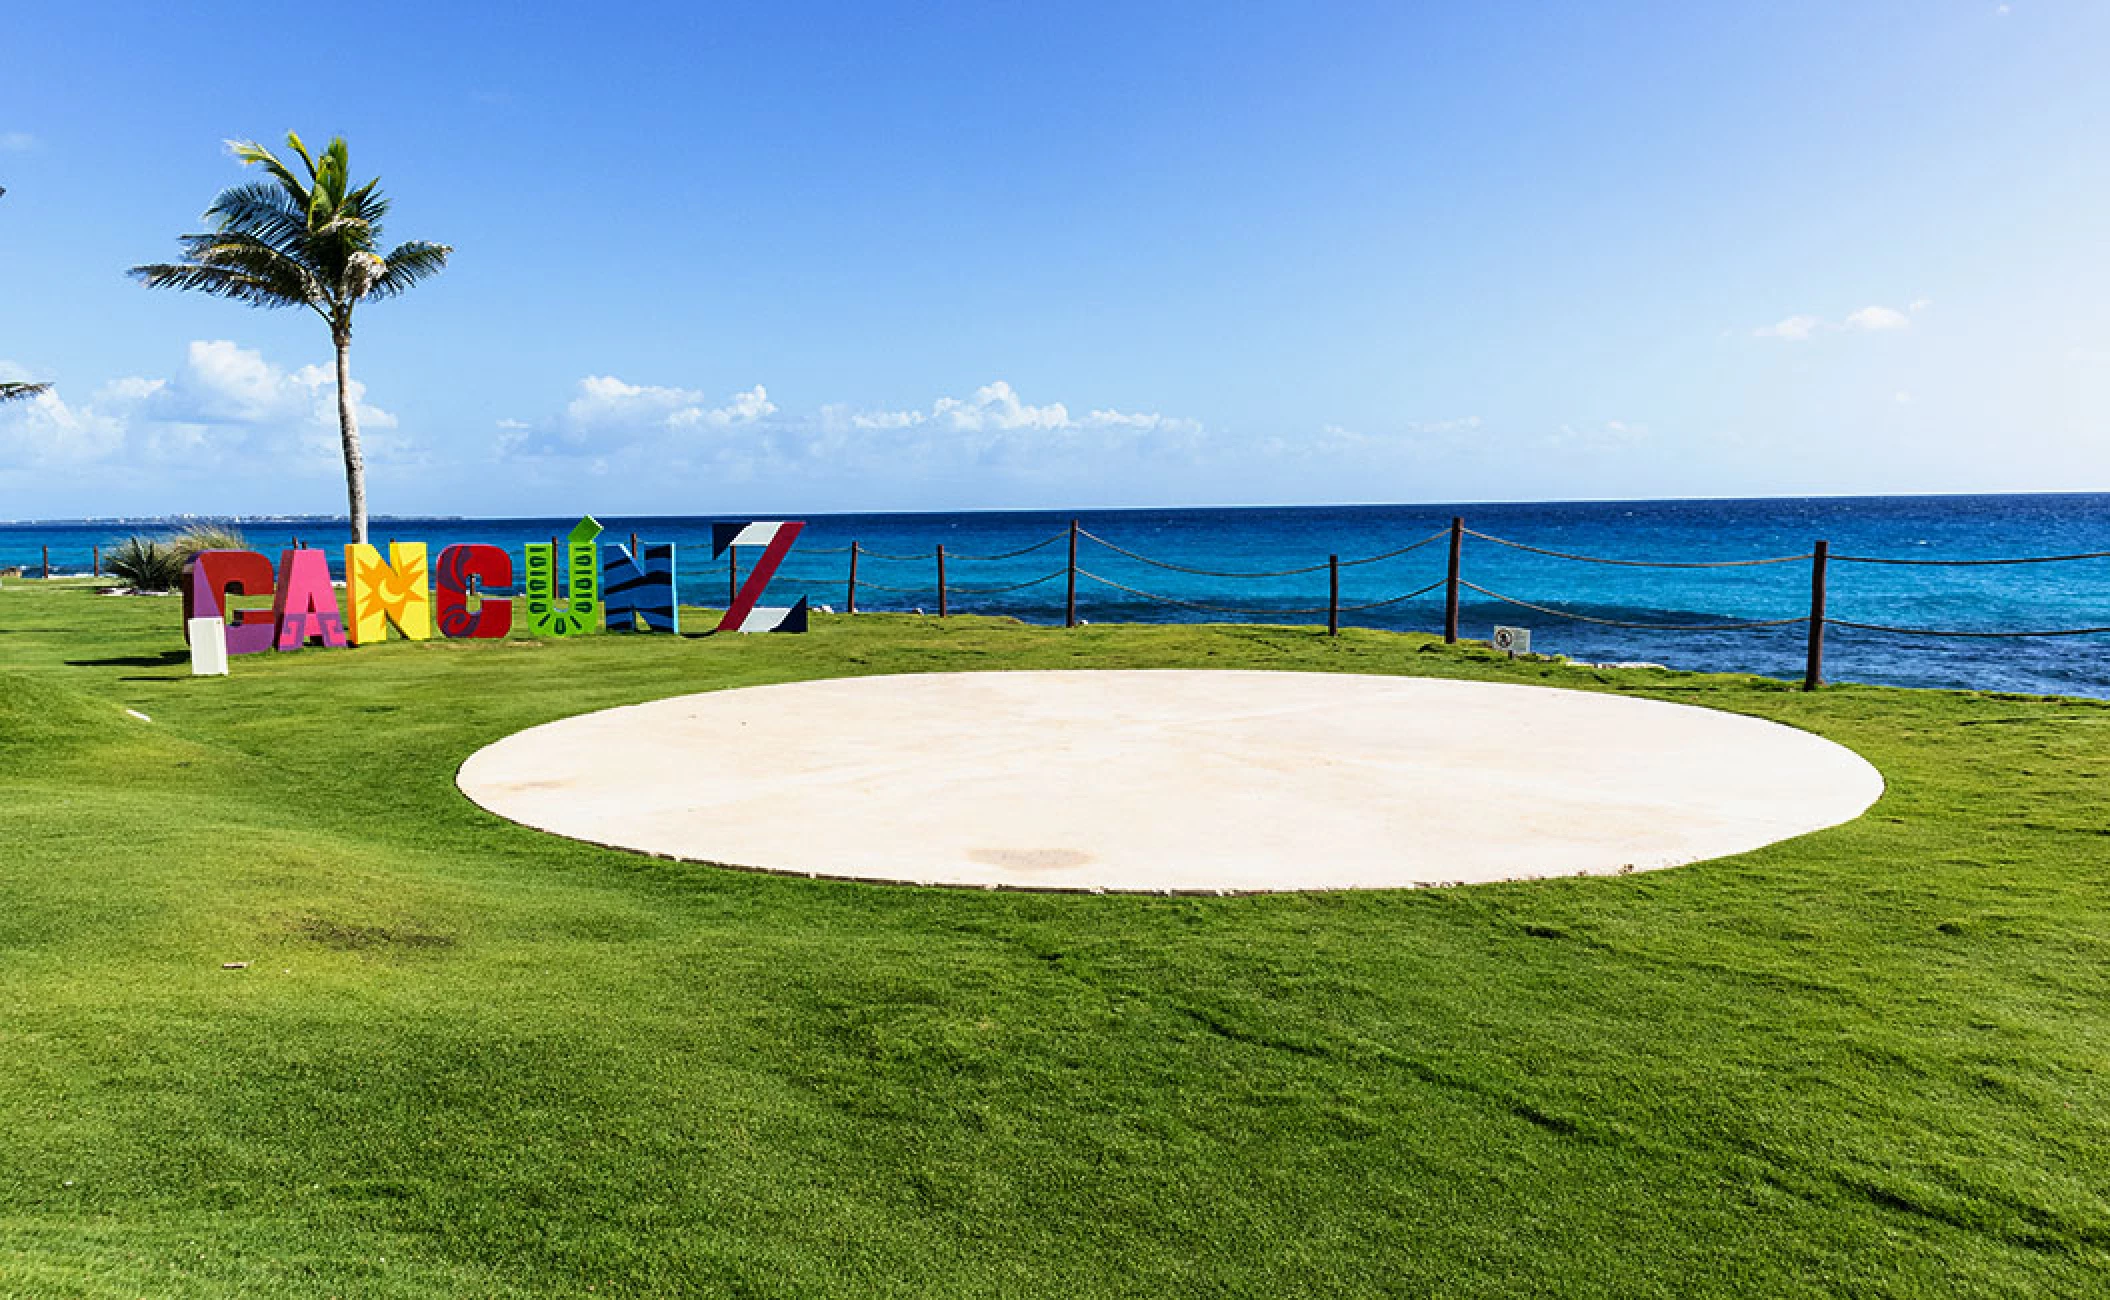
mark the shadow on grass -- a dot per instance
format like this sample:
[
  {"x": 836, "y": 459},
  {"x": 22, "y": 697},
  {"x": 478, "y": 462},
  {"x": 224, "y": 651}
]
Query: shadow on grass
[{"x": 166, "y": 659}]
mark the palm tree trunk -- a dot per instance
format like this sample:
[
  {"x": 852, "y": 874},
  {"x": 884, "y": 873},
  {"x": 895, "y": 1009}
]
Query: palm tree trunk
[{"x": 348, "y": 427}]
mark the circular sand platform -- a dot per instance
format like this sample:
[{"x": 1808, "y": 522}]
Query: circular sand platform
[{"x": 1172, "y": 780}]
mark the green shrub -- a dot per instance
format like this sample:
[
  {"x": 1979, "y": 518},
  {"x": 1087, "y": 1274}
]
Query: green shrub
[
  {"x": 206, "y": 537},
  {"x": 157, "y": 563},
  {"x": 146, "y": 563}
]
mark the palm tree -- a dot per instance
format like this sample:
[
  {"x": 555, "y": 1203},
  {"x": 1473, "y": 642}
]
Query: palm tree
[{"x": 285, "y": 242}]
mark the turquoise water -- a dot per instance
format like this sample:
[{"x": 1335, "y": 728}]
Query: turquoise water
[{"x": 1264, "y": 539}]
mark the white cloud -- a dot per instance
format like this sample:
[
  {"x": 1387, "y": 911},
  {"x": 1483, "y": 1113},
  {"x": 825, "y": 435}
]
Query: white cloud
[
  {"x": 1468, "y": 424},
  {"x": 1794, "y": 329},
  {"x": 226, "y": 401},
  {"x": 1872, "y": 319},
  {"x": 1919, "y": 304},
  {"x": 626, "y": 429},
  {"x": 745, "y": 408},
  {"x": 17, "y": 142},
  {"x": 997, "y": 408},
  {"x": 47, "y": 432},
  {"x": 607, "y": 404},
  {"x": 1878, "y": 318},
  {"x": 132, "y": 388},
  {"x": 887, "y": 420}
]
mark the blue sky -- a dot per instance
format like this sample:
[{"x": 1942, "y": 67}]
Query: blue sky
[{"x": 783, "y": 257}]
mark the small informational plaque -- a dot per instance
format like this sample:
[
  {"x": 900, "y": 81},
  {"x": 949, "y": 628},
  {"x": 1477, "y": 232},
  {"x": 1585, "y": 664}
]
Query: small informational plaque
[{"x": 1513, "y": 641}]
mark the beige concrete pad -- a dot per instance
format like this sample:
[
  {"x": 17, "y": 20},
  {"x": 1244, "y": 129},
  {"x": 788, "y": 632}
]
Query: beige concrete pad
[{"x": 1173, "y": 780}]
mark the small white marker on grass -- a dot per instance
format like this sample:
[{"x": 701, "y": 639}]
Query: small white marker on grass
[
  {"x": 134, "y": 713},
  {"x": 208, "y": 647}
]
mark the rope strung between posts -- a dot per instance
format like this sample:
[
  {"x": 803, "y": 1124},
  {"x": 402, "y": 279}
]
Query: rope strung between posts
[
  {"x": 1206, "y": 573},
  {"x": 1380, "y": 604},
  {"x": 1638, "y": 564},
  {"x": 1264, "y": 573},
  {"x": 2023, "y": 559},
  {"x": 1438, "y": 535},
  {"x": 1040, "y": 545},
  {"x": 882, "y": 555},
  {"x": 1233, "y": 609},
  {"x": 997, "y": 591},
  {"x": 1953, "y": 632},
  {"x": 1653, "y": 627},
  {"x": 1211, "y": 609}
]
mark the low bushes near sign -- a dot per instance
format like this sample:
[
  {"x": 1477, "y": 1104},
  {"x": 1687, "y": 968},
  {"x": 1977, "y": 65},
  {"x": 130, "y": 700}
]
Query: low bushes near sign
[
  {"x": 161, "y": 563},
  {"x": 145, "y": 564}
]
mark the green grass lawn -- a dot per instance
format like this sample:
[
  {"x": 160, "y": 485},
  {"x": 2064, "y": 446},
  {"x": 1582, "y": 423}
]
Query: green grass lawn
[{"x": 470, "y": 1059}]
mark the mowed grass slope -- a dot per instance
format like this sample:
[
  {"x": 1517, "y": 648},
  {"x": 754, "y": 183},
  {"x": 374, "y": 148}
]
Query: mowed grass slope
[{"x": 470, "y": 1059}]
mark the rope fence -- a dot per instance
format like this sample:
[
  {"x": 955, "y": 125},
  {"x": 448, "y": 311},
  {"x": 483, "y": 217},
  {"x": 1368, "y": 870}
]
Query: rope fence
[
  {"x": 1650, "y": 627},
  {"x": 1637, "y": 564},
  {"x": 1452, "y": 583}
]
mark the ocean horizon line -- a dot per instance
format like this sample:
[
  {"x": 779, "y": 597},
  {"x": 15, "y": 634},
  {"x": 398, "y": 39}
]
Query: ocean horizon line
[{"x": 938, "y": 512}]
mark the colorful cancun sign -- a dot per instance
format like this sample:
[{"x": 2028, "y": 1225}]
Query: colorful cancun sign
[{"x": 608, "y": 588}]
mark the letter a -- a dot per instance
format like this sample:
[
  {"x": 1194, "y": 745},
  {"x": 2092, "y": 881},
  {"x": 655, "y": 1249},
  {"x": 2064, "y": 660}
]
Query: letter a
[{"x": 306, "y": 605}]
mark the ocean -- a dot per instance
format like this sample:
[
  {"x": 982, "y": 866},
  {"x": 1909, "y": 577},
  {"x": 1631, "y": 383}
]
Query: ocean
[{"x": 897, "y": 571}]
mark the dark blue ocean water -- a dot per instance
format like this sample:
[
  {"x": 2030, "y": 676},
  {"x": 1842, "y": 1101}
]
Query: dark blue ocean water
[{"x": 1973, "y": 598}]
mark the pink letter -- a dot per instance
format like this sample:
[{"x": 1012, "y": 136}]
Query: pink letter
[{"x": 306, "y": 606}]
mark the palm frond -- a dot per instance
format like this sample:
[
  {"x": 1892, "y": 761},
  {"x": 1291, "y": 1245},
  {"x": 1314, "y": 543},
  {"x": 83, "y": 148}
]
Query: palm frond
[
  {"x": 252, "y": 154},
  {"x": 293, "y": 139},
  {"x": 367, "y": 201},
  {"x": 217, "y": 281},
  {"x": 409, "y": 263},
  {"x": 263, "y": 210},
  {"x": 241, "y": 251},
  {"x": 332, "y": 177},
  {"x": 15, "y": 390}
]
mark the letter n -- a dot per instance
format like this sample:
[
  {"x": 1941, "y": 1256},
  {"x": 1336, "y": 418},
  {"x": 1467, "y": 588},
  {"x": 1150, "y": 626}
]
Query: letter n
[
  {"x": 640, "y": 587},
  {"x": 379, "y": 593}
]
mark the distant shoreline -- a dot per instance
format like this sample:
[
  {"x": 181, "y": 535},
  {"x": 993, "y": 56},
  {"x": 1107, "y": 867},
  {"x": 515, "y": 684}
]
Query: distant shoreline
[{"x": 174, "y": 521}]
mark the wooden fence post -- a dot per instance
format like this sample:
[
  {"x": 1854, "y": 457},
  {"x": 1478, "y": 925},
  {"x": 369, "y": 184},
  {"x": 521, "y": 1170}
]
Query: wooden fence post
[
  {"x": 97, "y": 552},
  {"x": 850, "y": 599},
  {"x": 1069, "y": 618},
  {"x": 47, "y": 562},
  {"x": 1333, "y": 595},
  {"x": 941, "y": 580},
  {"x": 1813, "y": 672},
  {"x": 732, "y": 576},
  {"x": 1450, "y": 591},
  {"x": 633, "y": 548}
]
